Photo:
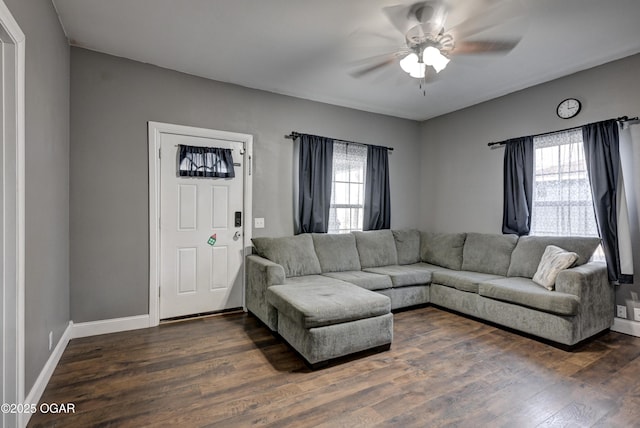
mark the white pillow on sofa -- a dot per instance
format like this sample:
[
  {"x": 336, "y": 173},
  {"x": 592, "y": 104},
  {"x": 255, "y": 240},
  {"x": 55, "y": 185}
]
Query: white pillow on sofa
[{"x": 554, "y": 260}]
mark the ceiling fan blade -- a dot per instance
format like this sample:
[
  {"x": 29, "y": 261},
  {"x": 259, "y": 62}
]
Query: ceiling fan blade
[
  {"x": 363, "y": 38},
  {"x": 395, "y": 54},
  {"x": 484, "y": 46},
  {"x": 399, "y": 17},
  {"x": 381, "y": 36},
  {"x": 373, "y": 67},
  {"x": 498, "y": 14}
]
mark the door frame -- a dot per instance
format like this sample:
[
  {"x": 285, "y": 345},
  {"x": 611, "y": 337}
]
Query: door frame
[
  {"x": 12, "y": 41},
  {"x": 155, "y": 131}
]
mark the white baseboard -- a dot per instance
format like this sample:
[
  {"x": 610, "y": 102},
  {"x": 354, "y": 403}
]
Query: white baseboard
[
  {"x": 43, "y": 378},
  {"x": 74, "y": 331},
  {"x": 94, "y": 328},
  {"x": 622, "y": 325}
]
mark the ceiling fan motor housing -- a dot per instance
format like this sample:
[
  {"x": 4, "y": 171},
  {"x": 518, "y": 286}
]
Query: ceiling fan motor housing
[
  {"x": 429, "y": 29},
  {"x": 417, "y": 40}
]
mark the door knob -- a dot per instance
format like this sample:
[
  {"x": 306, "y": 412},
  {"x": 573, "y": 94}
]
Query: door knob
[{"x": 236, "y": 236}]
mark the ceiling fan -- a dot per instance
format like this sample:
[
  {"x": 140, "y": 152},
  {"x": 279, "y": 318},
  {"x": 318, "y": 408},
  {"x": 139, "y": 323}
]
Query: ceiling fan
[{"x": 430, "y": 44}]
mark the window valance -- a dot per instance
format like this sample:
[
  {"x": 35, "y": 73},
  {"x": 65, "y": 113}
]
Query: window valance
[{"x": 205, "y": 162}]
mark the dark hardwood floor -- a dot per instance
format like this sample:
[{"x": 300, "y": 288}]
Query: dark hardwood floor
[{"x": 442, "y": 370}]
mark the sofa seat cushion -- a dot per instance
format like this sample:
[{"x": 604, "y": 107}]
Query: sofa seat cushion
[
  {"x": 525, "y": 292},
  {"x": 336, "y": 252},
  {"x": 317, "y": 305},
  {"x": 462, "y": 280},
  {"x": 368, "y": 280},
  {"x": 403, "y": 276},
  {"x": 428, "y": 266}
]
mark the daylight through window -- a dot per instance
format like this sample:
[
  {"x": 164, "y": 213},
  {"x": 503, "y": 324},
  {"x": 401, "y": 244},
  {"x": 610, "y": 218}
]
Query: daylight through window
[
  {"x": 347, "y": 188},
  {"x": 562, "y": 202}
]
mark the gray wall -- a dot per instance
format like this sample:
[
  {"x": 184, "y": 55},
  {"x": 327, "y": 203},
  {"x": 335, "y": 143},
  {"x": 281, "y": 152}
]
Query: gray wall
[
  {"x": 47, "y": 180},
  {"x": 465, "y": 176},
  {"x": 111, "y": 101},
  {"x": 113, "y": 98}
]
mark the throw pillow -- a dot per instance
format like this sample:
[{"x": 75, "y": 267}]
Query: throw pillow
[{"x": 554, "y": 259}]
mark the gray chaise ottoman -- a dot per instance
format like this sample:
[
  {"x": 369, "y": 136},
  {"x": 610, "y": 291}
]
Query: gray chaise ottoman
[{"x": 329, "y": 320}]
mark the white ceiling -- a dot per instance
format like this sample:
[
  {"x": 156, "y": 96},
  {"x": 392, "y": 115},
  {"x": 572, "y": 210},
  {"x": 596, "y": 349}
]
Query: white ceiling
[{"x": 309, "y": 48}]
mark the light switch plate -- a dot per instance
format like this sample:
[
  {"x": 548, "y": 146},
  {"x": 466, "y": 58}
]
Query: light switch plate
[{"x": 258, "y": 223}]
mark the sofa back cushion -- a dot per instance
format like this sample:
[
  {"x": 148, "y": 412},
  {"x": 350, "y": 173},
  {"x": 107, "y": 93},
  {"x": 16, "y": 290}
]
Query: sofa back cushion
[
  {"x": 442, "y": 249},
  {"x": 488, "y": 253},
  {"x": 376, "y": 248},
  {"x": 295, "y": 254},
  {"x": 407, "y": 245},
  {"x": 336, "y": 252},
  {"x": 527, "y": 254}
]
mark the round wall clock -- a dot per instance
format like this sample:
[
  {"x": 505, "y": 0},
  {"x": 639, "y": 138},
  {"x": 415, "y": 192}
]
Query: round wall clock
[{"x": 568, "y": 108}]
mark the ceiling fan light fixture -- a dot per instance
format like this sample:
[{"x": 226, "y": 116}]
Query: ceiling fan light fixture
[
  {"x": 433, "y": 57},
  {"x": 410, "y": 64},
  {"x": 419, "y": 71}
]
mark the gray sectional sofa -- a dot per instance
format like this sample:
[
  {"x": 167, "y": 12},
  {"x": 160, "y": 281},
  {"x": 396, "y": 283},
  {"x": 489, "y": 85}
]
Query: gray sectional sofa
[{"x": 332, "y": 295}]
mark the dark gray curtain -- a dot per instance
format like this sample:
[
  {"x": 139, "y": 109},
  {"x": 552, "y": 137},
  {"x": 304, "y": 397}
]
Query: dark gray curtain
[
  {"x": 601, "y": 148},
  {"x": 377, "y": 202},
  {"x": 518, "y": 186},
  {"x": 196, "y": 161},
  {"x": 314, "y": 190}
]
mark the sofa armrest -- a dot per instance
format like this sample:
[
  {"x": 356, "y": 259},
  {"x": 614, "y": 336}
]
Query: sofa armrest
[
  {"x": 262, "y": 274},
  {"x": 581, "y": 280},
  {"x": 591, "y": 284},
  {"x": 268, "y": 272}
]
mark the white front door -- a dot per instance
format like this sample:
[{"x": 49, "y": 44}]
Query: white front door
[{"x": 201, "y": 228}]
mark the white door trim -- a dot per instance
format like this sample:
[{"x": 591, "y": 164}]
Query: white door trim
[
  {"x": 12, "y": 40},
  {"x": 156, "y": 129}
]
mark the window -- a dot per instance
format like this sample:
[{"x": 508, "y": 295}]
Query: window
[
  {"x": 562, "y": 202},
  {"x": 196, "y": 161},
  {"x": 347, "y": 188}
]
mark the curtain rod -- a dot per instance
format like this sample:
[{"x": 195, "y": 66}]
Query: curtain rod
[
  {"x": 619, "y": 119},
  {"x": 295, "y": 135}
]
